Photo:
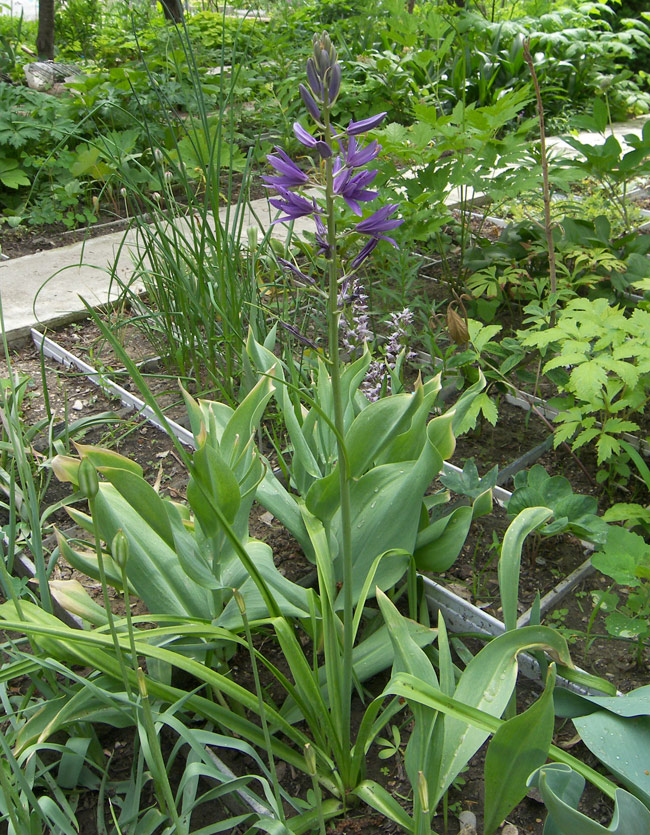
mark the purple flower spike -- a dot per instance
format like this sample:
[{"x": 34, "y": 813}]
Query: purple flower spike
[
  {"x": 380, "y": 222},
  {"x": 355, "y": 128},
  {"x": 290, "y": 174},
  {"x": 294, "y": 205},
  {"x": 352, "y": 187},
  {"x": 309, "y": 141},
  {"x": 355, "y": 156},
  {"x": 309, "y": 102}
]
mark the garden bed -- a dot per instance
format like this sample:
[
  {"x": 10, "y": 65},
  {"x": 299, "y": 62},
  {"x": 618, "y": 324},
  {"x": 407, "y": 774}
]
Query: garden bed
[{"x": 473, "y": 576}]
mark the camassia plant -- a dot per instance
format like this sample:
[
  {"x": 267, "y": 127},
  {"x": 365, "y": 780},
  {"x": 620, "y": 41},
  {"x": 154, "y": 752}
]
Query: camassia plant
[{"x": 357, "y": 501}]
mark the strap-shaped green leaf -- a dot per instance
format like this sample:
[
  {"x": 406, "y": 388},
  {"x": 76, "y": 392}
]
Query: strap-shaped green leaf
[
  {"x": 518, "y": 747},
  {"x": 510, "y": 562}
]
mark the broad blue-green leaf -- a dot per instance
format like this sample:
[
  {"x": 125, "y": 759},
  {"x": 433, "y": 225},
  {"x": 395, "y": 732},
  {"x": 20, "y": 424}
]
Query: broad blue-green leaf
[
  {"x": 212, "y": 479},
  {"x": 86, "y": 562},
  {"x": 518, "y": 747},
  {"x": 153, "y": 566},
  {"x": 74, "y": 598},
  {"x": 385, "y": 515},
  {"x": 634, "y": 703},
  {"x": 101, "y": 457},
  {"x": 561, "y": 789},
  {"x": 408, "y": 445},
  {"x": 378, "y": 798},
  {"x": 487, "y": 684},
  {"x": 290, "y": 597},
  {"x": 409, "y": 658},
  {"x": 142, "y": 498},
  {"x": 622, "y": 743},
  {"x": 439, "y": 544}
]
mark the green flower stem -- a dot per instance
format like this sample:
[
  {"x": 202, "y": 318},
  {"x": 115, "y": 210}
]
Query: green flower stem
[
  {"x": 344, "y": 475},
  {"x": 158, "y": 769},
  {"x": 107, "y": 602},
  {"x": 129, "y": 619},
  {"x": 239, "y": 600}
]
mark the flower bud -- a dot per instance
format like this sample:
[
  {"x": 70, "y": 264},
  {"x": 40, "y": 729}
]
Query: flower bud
[
  {"x": 334, "y": 82},
  {"x": 310, "y": 759},
  {"x": 120, "y": 549},
  {"x": 309, "y": 102},
  {"x": 239, "y": 600},
  {"x": 457, "y": 327},
  {"x": 157, "y": 154},
  {"x": 142, "y": 683},
  {"x": 313, "y": 79},
  {"x": 88, "y": 480}
]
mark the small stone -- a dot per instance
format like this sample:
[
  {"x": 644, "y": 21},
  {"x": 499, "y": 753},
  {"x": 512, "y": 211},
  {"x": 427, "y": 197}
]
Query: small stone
[
  {"x": 267, "y": 518},
  {"x": 78, "y": 405},
  {"x": 509, "y": 829},
  {"x": 467, "y": 821},
  {"x": 534, "y": 794}
]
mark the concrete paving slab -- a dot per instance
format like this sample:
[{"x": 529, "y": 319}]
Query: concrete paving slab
[
  {"x": 46, "y": 288},
  {"x": 619, "y": 130}
]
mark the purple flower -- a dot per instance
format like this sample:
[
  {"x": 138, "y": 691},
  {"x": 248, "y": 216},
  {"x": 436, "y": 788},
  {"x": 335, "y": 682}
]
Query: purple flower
[
  {"x": 365, "y": 251},
  {"x": 310, "y": 141},
  {"x": 321, "y": 237},
  {"x": 380, "y": 222},
  {"x": 355, "y": 128},
  {"x": 355, "y": 156},
  {"x": 352, "y": 187},
  {"x": 288, "y": 265},
  {"x": 290, "y": 174},
  {"x": 294, "y": 205},
  {"x": 300, "y": 336}
]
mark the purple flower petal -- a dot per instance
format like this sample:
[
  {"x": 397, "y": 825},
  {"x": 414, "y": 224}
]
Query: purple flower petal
[
  {"x": 365, "y": 251},
  {"x": 352, "y": 187},
  {"x": 380, "y": 222},
  {"x": 355, "y": 128},
  {"x": 355, "y": 156},
  {"x": 288, "y": 265},
  {"x": 300, "y": 336},
  {"x": 293, "y": 205},
  {"x": 290, "y": 174},
  {"x": 305, "y": 138}
]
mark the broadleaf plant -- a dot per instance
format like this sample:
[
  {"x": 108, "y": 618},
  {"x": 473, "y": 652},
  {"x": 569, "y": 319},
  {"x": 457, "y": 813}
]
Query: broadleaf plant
[{"x": 607, "y": 357}]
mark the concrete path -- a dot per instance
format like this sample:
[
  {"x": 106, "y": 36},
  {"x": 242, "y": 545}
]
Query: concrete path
[{"x": 45, "y": 288}]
